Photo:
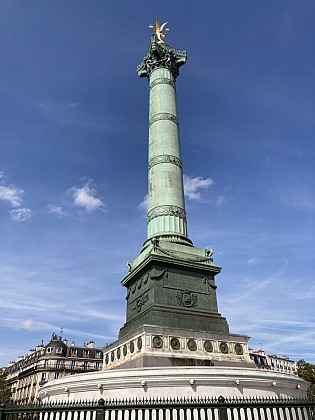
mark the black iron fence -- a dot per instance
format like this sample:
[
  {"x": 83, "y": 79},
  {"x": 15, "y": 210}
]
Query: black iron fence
[{"x": 165, "y": 409}]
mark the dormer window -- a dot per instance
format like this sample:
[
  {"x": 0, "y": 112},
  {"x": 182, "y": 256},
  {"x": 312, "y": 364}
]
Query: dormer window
[{"x": 74, "y": 352}]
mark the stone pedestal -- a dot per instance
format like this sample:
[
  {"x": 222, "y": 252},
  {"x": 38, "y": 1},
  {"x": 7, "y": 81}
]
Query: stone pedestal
[{"x": 172, "y": 285}]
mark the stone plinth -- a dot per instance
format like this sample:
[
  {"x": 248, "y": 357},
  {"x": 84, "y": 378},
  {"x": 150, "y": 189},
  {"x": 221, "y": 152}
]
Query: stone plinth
[
  {"x": 174, "y": 382},
  {"x": 153, "y": 346}
]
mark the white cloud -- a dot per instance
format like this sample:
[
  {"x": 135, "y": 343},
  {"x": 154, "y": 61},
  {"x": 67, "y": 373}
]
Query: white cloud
[
  {"x": 253, "y": 261},
  {"x": 29, "y": 325},
  {"x": 144, "y": 203},
  {"x": 86, "y": 197},
  {"x": 193, "y": 185},
  {"x": 21, "y": 215},
  {"x": 55, "y": 209},
  {"x": 11, "y": 194}
]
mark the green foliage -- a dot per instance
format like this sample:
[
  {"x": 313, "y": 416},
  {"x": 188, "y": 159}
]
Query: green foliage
[
  {"x": 306, "y": 371},
  {"x": 5, "y": 393}
]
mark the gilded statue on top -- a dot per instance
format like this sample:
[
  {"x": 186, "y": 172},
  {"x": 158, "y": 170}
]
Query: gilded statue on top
[{"x": 159, "y": 30}]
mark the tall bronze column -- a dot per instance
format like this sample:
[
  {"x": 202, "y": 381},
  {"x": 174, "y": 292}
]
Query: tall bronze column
[{"x": 166, "y": 205}]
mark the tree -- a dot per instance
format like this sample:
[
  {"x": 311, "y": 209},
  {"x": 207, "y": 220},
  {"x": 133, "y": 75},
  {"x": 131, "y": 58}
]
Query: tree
[
  {"x": 306, "y": 371},
  {"x": 5, "y": 392}
]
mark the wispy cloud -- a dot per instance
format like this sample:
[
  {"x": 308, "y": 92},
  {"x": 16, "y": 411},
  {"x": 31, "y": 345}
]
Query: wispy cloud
[
  {"x": 194, "y": 185},
  {"x": 31, "y": 325},
  {"x": 253, "y": 261},
  {"x": 21, "y": 215},
  {"x": 55, "y": 209},
  {"x": 86, "y": 197},
  {"x": 11, "y": 194},
  {"x": 144, "y": 203},
  {"x": 219, "y": 200}
]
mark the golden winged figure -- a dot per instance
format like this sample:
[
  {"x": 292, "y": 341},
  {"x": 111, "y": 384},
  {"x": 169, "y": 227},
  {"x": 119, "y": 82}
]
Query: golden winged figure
[{"x": 159, "y": 30}]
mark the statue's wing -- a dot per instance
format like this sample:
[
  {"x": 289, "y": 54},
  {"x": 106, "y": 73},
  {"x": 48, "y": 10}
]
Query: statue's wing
[{"x": 162, "y": 26}]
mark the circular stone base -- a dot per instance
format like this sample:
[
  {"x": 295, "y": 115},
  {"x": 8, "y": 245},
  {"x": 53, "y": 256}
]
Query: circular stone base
[{"x": 187, "y": 382}]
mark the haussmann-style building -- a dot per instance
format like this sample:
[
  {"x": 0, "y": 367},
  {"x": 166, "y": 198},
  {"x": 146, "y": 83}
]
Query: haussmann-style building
[{"x": 47, "y": 362}]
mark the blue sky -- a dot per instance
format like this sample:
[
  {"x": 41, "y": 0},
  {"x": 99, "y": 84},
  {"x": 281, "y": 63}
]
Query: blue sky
[{"x": 73, "y": 163}]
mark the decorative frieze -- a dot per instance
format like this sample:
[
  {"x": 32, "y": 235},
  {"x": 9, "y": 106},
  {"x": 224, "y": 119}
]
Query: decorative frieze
[
  {"x": 163, "y": 116},
  {"x": 162, "y": 81},
  {"x": 165, "y": 159},
  {"x": 166, "y": 211},
  {"x": 167, "y": 344}
]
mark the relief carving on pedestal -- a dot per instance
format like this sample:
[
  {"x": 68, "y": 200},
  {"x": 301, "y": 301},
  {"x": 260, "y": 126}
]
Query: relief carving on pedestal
[
  {"x": 175, "y": 343},
  {"x": 140, "y": 302},
  {"x": 186, "y": 298},
  {"x": 158, "y": 275},
  {"x": 192, "y": 345},
  {"x": 157, "y": 342}
]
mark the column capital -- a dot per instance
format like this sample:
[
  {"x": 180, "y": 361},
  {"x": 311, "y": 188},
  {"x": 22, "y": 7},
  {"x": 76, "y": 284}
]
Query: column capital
[{"x": 161, "y": 56}]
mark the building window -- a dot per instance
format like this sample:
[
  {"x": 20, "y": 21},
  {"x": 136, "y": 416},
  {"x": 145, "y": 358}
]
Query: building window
[
  {"x": 86, "y": 354},
  {"x": 58, "y": 364},
  {"x": 44, "y": 375},
  {"x": 98, "y": 355},
  {"x": 85, "y": 365},
  {"x": 57, "y": 375},
  {"x": 73, "y": 364},
  {"x": 49, "y": 349}
]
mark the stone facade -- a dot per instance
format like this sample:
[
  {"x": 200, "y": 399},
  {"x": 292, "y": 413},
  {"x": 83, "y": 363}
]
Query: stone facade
[{"x": 43, "y": 364}]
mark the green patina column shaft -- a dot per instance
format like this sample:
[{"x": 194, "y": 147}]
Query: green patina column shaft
[{"x": 166, "y": 204}]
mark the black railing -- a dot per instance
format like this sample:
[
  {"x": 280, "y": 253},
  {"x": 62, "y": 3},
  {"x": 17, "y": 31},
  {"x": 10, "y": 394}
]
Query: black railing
[{"x": 165, "y": 409}]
